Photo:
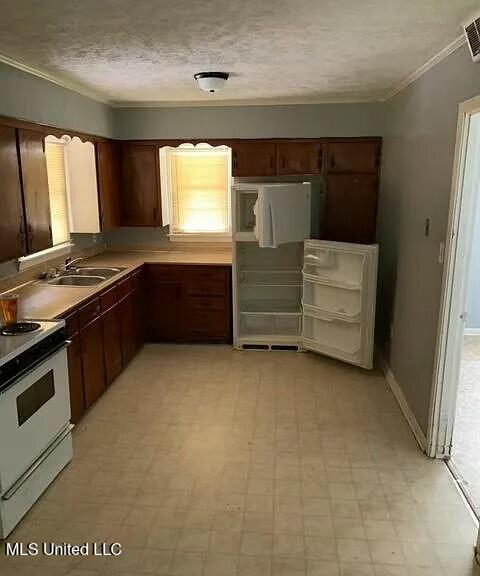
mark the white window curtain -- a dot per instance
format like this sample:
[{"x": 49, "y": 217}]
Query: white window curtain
[
  {"x": 196, "y": 191},
  {"x": 57, "y": 187}
]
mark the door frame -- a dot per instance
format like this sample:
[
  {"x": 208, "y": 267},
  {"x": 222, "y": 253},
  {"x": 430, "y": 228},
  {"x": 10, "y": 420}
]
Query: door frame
[{"x": 453, "y": 294}]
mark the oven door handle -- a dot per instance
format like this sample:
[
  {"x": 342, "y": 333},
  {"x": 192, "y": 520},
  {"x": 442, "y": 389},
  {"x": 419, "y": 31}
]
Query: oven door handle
[
  {"x": 31, "y": 367},
  {"x": 38, "y": 462}
]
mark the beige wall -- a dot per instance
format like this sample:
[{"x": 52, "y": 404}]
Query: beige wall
[
  {"x": 31, "y": 98},
  {"x": 419, "y": 142},
  {"x": 302, "y": 121}
]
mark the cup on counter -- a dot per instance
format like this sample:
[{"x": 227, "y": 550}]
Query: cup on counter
[{"x": 8, "y": 309}]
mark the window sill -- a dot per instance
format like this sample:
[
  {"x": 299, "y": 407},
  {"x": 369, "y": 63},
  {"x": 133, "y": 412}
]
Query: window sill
[
  {"x": 200, "y": 238},
  {"x": 25, "y": 262}
]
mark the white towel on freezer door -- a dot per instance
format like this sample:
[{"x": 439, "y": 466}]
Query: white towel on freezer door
[{"x": 282, "y": 214}]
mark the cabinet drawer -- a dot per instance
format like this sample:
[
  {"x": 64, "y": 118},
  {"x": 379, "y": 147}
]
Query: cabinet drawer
[
  {"x": 109, "y": 299},
  {"x": 89, "y": 312},
  {"x": 207, "y": 325},
  {"x": 206, "y": 274},
  {"x": 164, "y": 272},
  {"x": 124, "y": 287},
  {"x": 206, "y": 281},
  {"x": 71, "y": 323},
  {"x": 195, "y": 303}
]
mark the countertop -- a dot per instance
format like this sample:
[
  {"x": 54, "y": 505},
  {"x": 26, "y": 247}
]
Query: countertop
[{"x": 41, "y": 301}]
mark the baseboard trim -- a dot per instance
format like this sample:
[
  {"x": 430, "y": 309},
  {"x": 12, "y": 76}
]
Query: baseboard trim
[
  {"x": 402, "y": 402},
  {"x": 471, "y": 332}
]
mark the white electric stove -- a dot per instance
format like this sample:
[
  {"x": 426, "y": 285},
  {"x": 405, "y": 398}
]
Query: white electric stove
[{"x": 35, "y": 430}]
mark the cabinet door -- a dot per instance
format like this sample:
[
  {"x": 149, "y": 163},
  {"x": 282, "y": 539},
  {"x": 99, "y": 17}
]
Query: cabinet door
[
  {"x": 75, "y": 379},
  {"x": 92, "y": 361},
  {"x": 112, "y": 347},
  {"x": 35, "y": 189},
  {"x": 354, "y": 157},
  {"x": 140, "y": 187},
  {"x": 108, "y": 175},
  {"x": 253, "y": 159},
  {"x": 351, "y": 208},
  {"x": 299, "y": 158},
  {"x": 12, "y": 225},
  {"x": 164, "y": 320},
  {"x": 126, "y": 315},
  {"x": 139, "y": 298}
]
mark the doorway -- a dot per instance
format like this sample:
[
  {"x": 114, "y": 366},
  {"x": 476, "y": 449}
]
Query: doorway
[{"x": 454, "y": 429}]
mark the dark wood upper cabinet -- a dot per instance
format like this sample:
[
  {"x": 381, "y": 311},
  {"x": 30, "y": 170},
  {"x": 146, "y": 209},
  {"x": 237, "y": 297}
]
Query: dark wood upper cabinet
[
  {"x": 140, "y": 194},
  {"x": 351, "y": 208},
  {"x": 108, "y": 175},
  {"x": 353, "y": 157},
  {"x": 35, "y": 189},
  {"x": 12, "y": 225},
  {"x": 253, "y": 158},
  {"x": 299, "y": 158}
]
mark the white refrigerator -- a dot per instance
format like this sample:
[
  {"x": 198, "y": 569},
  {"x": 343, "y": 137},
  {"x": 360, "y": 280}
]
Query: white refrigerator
[{"x": 301, "y": 295}]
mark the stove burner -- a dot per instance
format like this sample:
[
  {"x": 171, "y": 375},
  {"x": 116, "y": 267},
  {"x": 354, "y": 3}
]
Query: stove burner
[{"x": 19, "y": 328}]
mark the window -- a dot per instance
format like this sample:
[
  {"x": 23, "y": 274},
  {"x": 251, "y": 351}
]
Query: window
[
  {"x": 57, "y": 187},
  {"x": 196, "y": 191}
]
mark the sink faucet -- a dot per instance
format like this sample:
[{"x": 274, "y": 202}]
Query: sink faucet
[{"x": 70, "y": 264}]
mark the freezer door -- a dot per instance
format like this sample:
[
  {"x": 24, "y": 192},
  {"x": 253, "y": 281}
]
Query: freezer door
[{"x": 339, "y": 291}]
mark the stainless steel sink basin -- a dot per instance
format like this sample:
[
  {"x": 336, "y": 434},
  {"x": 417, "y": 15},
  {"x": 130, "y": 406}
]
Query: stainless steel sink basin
[
  {"x": 71, "y": 280},
  {"x": 105, "y": 271}
]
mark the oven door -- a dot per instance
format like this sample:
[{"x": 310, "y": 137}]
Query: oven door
[{"x": 33, "y": 411}]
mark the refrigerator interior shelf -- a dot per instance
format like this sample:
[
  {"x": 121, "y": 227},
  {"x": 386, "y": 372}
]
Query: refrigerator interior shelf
[
  {"x": 270, "y": 307},
  {"x": 271, "y": 278}
]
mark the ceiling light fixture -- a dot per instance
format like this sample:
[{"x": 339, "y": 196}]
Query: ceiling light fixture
[{"x": 211, "y": 81}]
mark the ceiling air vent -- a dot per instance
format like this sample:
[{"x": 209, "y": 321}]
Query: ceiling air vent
[{"x": 472, "y": 32}]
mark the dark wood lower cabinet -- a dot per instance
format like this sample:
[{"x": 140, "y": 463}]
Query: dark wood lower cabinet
[
  {"x": 75, "y": 378},
  {"x": 126, "y": 314},
  {"x": 188, "y": 303},
  {"x": 91, "y": 337},
  {"x": 165, "y": 315},
  {"x": 112, "y": 348}
]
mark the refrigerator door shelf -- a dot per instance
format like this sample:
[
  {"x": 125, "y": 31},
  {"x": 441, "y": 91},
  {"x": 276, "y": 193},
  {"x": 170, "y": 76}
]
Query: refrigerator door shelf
[
  {"x": 328, "y": 281},
  {"x": 332, "y": 334},
  {"x": 343, "y": 264},
  {"x": 330, "y": 315},
  {"x": 339, "y": 300},
  {"x": 332, "y": 299}
]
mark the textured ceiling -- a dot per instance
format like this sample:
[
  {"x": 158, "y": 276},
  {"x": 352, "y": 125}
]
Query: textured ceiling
[{"x": 282, "y": 50}]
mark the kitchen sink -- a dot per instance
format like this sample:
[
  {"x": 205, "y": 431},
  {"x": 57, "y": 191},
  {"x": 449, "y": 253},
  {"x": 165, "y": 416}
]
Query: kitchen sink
[
  {"x": 71, "y": 280},
  {"x": 105, "y": 271}
]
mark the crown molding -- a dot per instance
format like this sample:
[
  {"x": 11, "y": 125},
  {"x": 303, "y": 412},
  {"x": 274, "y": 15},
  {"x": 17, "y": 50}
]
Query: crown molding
[
  {"x": 444, "y": 53},
  {"x": 72, "y": 86},
  {"x": 251, "y": 102}
]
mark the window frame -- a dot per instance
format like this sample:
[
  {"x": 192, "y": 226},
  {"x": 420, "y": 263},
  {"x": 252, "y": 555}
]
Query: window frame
[{"x": 165, "y": 156}]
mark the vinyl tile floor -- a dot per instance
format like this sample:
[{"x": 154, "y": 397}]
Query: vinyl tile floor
[
  {"x": 205, "y": 461},
  {"x": 466, "y": 436}
]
